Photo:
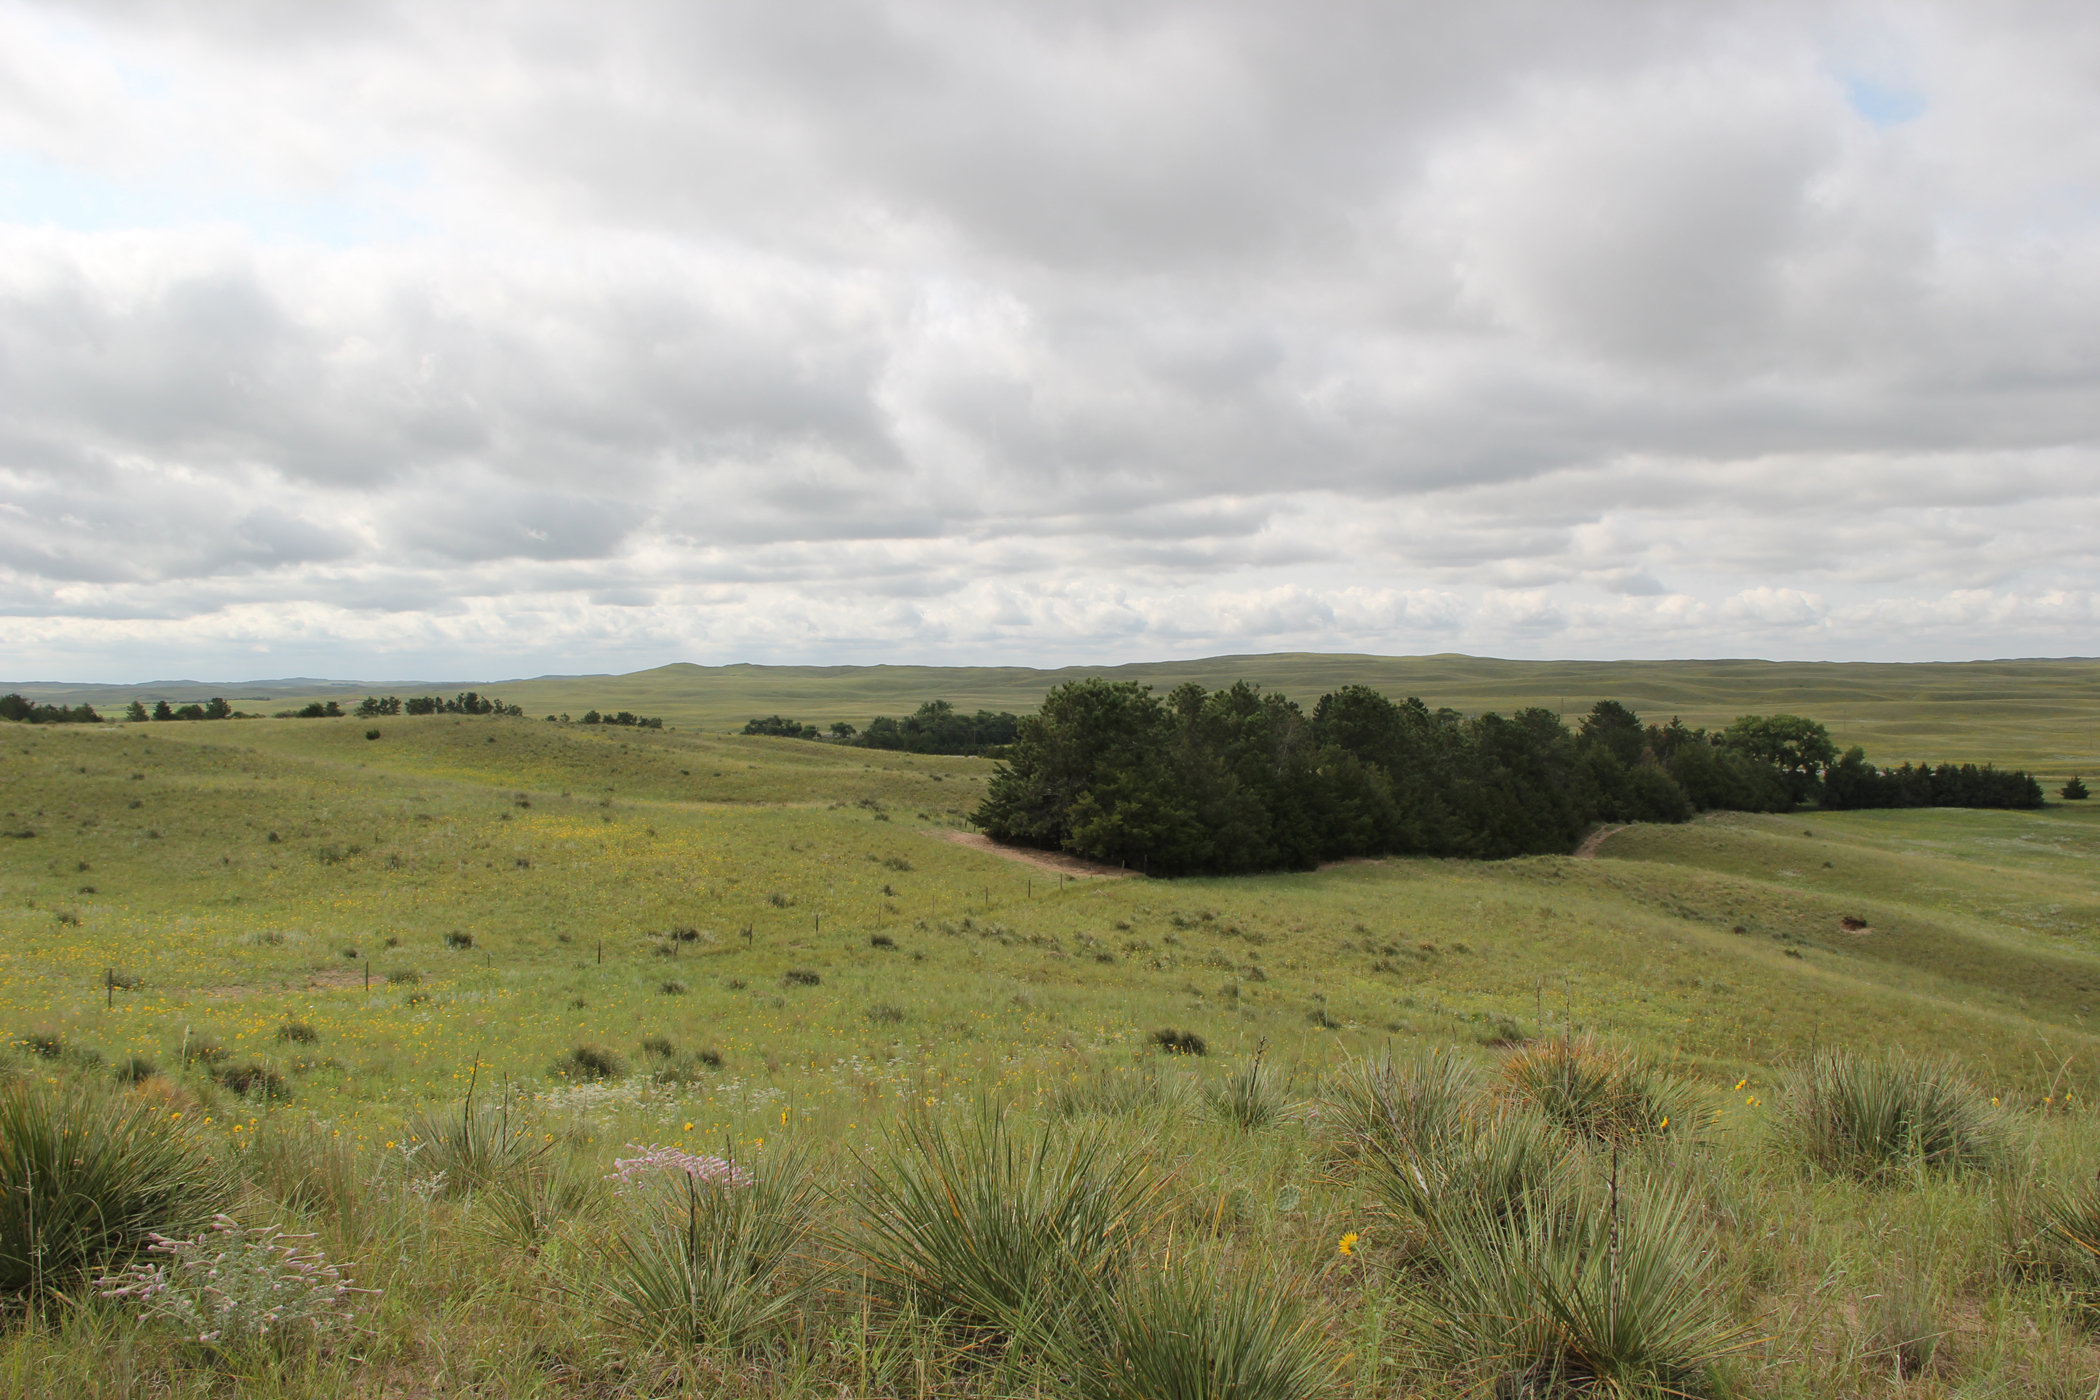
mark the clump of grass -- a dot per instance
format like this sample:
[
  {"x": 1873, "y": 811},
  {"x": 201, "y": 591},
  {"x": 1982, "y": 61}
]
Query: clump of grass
[
  {"x": 298, "y": 1033},
  {"x": 673, "y": 987},
  {"x": 91, "y": 1175},
  {"x": 404, "y": 977},
  {"x": 203, "y": 1050},
  {"x": 589, "y": 1063},
  {"x": 1393, "y": 1107},
  {"x": 801, "y": 977},
  {"x": 1480, "y": 1166},
  {"x": 988, "y": 1225},
  {"x": 45, "y": 1045},
  {"x": 475, "y": 1146},
  {"x": 1880, "y": 1116},
  {"x": 1193, "y": 1331},
  {"x": 136, "y": 1070},
  {"x": 1175, "y": 1042},
  {"x": 1249, "y": 1098},
  {"x": 253, "y": 1078},
  {"x": 725, "y": 1262},
  {"x": 1605, "y": 1293},
  {"x": 457, "y": 938},
  {"x": 658, "y": 1047},
  {"x": 881, "y": 940},
  {"x": 1122, "y": 1093},
  {"x": 882, "y": 1013},
  {"x": 1598, "y": 1090}
]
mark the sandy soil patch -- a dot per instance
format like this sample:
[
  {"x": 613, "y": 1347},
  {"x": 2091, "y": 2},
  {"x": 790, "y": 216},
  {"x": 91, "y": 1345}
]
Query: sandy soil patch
[{"x": 1054, "y": 861}]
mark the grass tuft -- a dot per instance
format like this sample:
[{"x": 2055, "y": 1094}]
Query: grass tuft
[
  {"x": 1191, "y": 1332},
  {"x": 1598, "y": 1090},
  {"x": 589, "y": 1063},
  {"x": 1877, "y": 1117}
]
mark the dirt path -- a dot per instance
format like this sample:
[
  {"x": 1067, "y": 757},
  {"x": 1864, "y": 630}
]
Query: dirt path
[
  {"x": 1595, "y": 841},
  {"x": 1053, "y": 861}
]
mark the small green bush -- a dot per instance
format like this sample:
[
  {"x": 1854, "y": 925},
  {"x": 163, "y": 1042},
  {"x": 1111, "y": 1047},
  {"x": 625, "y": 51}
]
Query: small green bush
[
  {"x": 136, "y": 1070},
  {"x": 1592, "y": 1088},
  {"x": 988, "y": 1225},
  {"x": 1607, "y": 1293},
  {"x": 90, "y": 1175},
  {"x": 298, "y": 1033},
  {"x": 458, "y": 939},
  {"x": 723, "y": 1264},
  {"x": 1881, "y": 1116},
  {"x": 1175, "y": 1042},
  {"x": 253, "y": 1078},
  {"x": 589, "y": 1063},
  {"x": 1191, "y": 1332},
  {"x": 1396, "y": 1107},
  {"x": 801, "y": 977}
]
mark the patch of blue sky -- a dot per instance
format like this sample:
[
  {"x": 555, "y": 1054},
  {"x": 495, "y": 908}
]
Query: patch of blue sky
[
  {"x": 36, "y": 192},
  {"x": 1883, "y": 103}
]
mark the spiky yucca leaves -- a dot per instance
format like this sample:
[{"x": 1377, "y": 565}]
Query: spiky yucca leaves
[
  {"x": 1880, "y": 1116},
  {"x": 1485, "y": 1164},
  {"x": 1002, "y": 1226},
  {"x": 1598, "y": 1090},
  {"x": 1387, "y": 1106},
  {"x": 1593, "y": 1291},
  {"x": 1123, "y": 1093},
  {"x": 475, "y": 1146},
  {"x": 1196, "y": 1332},
  {"x": 87, "y": 1175},
  {"x": 1250, "y": 1098},
  {"x": 727, "y": 1264}
]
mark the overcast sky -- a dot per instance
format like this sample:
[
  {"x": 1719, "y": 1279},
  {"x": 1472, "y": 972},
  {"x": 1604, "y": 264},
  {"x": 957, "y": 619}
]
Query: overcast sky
[{"x": 469, "y": 340}]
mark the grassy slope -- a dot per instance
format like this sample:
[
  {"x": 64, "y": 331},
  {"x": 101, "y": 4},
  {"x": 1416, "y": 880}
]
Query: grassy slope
[
  {"x": 2037, "y": 714},
  {"x": 1982, "y": 925}
]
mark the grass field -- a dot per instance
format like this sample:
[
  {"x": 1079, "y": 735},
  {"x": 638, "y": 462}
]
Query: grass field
[
  {"x": 2041, "y": 715},
  {"x": 474, "y": 898}
]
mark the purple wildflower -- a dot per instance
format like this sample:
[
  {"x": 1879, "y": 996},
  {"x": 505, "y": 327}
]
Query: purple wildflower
[{"x": 630, "y": 1172}]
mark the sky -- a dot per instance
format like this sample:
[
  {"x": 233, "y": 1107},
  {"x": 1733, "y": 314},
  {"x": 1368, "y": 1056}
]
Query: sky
[{"x": 487, "y": 340}]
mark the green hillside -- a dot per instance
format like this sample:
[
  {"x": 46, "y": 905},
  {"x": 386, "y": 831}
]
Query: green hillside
[{"x": 2043, "y": 715}]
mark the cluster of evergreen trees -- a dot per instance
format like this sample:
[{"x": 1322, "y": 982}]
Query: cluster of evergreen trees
[
  {"x": 1854, "y": 782},
  {"x": 938, "y": 727},
  {"x": 1228, "y": 781},
  {"x": 25, "y": 711},
  {"x": 624, "y": 718}
]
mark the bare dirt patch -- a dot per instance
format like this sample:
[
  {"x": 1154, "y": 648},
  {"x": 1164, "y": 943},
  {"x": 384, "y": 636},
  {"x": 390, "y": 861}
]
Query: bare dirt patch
[
  {"x": 337, "y": 979},
  {"x": 1594, "y": 842},
  {"x": 1055, "y": 861}
]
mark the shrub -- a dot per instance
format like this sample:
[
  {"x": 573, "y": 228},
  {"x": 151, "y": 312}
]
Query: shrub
[
  {"x": 1175, "y": 1042},
  {"x": 475, "y": 1147},
  {"x": 2075, "y": 790},
  {"x": 881, "y": 940},
  {"x": 136, "y": 1070},
  {"x": 405, "y": 977},
  {"x": 45, "y": 1045},
  {"x": 672, "y": 987},
  {"x": 718, "y": 1259},
  {"x": 800, "y": 977},
  {"x": 1607, "y": 1294},
  {"x": 253, "y": 1078},
  {"x": 458, "y": 939},
  {"x": 1249, "y": 1098},
  {"x": 1186, "y": 1331},
  {"x": 233, "y": 1284},
  {"x": 589, "y": 1063},
  {"x": 203, "y": 1050},
  {"x": 1882, "y": 1115},
  {"x": 91, "y": 1176},
  {"x": 298, "y": 1033},
  {"x": 1597, "y": 1090},
  {"x": 991, "y": 1226},
  {"x": 658, "y": 1046},
  {"x": 1396, "y": 1107}
]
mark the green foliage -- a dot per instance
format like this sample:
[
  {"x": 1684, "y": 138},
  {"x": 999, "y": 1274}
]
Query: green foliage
[
  {"x": 726, "y": 1264},
  {"x": 1194, "y": 1331},
  {"x": 88, "y": 1175},
  {"x": 1175, "y": 1042},
  {"x": 1599, "y": 1291},
  {"x": 1599, "y": 1090},
  {"x": 2074, "y": 790},
  {"x": 1887, "y": 1116},
  {"x": 936, "y": 727},
  {"x": 1249, "y": 1098},
  {"x": 1116, "y": 1093},
  {"x": 1852, "y": 782},
  {"x": 589, "y": 1063},
  {"x": 774, "y": 727},
  {"x": 1452, "y": 1172},
  {"x": 475, "y": 1146},
  {"x": 994, "y": 1225},
  {"x": 21, "y": 711},
  {"x": 1383, "y": 1105}
]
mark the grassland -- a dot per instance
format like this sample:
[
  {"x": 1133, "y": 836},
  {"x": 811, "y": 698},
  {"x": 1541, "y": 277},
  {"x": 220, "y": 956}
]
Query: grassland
[
  {"x": 2042, "y": 715},
  {"x": 475, "y": 897}
]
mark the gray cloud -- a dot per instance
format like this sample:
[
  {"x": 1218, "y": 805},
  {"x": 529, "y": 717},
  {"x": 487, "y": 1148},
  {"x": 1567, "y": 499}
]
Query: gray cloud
[{"x": 1003, "y": 331}]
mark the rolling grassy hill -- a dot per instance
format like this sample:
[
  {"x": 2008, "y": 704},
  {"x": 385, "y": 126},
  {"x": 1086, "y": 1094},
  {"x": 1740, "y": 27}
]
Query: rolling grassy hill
[{"x": 2042, "y": 715}]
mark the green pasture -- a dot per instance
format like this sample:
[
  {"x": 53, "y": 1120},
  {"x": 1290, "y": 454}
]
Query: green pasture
[{"x": 2043, "y": 715}]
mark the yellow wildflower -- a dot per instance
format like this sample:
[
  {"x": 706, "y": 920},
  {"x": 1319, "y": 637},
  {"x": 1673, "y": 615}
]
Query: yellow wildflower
[{"x": 1348, "y": 1243}]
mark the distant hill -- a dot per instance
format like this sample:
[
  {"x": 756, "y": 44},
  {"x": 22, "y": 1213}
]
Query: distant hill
[{"x": 2039, "y": 714}]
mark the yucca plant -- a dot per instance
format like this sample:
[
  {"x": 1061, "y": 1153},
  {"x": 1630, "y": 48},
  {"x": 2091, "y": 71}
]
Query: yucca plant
[
  {"x": 88, "y": 1176},
  {"x": 1388, "y": 1106},
  {"x": 1195, "y": 1332},
  {"x": 475, "y": 1146},
  {"x": 995, "y": 1226},
  {"x": 723, "y": 1261},
  {"x": 1612, "y": 1293},
  {"x": 1881, "y": 1116},
  {"x": 1249, "y": 1098},
  {"x": 1483, "y": 1165},
  {"x": 1595, "y": 1089}
]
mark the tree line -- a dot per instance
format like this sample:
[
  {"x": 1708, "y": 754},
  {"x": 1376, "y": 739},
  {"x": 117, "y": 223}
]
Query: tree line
[
  {"x": 1235, "y": 780},
  {"x": 935, "y": 727}
]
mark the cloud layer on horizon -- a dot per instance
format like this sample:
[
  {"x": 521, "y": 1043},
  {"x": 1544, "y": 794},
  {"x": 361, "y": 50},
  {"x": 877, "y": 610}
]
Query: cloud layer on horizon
[{"x": 496, "y": 338}]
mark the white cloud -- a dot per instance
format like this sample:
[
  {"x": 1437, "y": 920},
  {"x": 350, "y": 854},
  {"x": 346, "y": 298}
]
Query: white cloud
[{"x": 501, "y": 337}]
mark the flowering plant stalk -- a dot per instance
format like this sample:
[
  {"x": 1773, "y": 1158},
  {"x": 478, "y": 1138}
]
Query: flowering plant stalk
[
  {"x": 233, "y": 1283},
  {"x": 631, "y": 1173}
]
